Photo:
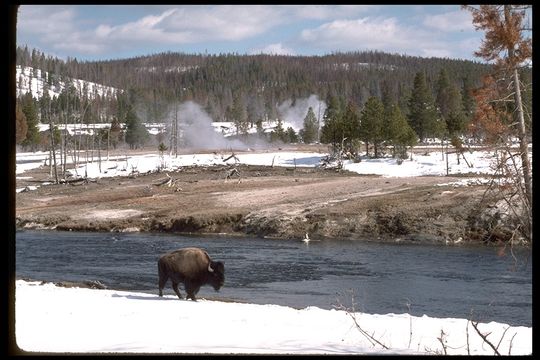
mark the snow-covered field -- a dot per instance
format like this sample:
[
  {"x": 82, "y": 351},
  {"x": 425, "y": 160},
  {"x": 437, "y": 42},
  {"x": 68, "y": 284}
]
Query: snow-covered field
[
  {"x": 56, "y": 319},
  {"x": 422, "y": 164}
]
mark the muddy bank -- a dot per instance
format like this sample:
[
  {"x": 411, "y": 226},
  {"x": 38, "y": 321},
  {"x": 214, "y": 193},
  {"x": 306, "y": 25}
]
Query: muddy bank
[{"x": 268, "y": 202}]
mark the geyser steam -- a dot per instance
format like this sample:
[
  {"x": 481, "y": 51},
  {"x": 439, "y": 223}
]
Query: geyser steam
[
  {"x": 294, "y": 115},
  {"x": 196, "y": 131}
]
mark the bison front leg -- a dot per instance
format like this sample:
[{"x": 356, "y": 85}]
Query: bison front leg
[
  {"x": 191, "y": 291},
  {"x": 175, "y": 288}
]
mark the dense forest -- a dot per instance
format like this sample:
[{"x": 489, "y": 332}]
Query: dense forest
[{"x": 249, "y": 89}]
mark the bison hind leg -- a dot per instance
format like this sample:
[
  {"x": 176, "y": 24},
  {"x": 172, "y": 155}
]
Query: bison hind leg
[
  {"x": 162, "y": 281},
  {"x": 163, "y": 277},
  {"x": 175, "y": 288}
]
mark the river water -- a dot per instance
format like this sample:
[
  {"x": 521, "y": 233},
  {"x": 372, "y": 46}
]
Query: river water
[{"x": 377, "y": 278}]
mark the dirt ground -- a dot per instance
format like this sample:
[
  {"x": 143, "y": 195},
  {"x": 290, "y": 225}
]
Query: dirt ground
[{"x": 266, "y": 202}]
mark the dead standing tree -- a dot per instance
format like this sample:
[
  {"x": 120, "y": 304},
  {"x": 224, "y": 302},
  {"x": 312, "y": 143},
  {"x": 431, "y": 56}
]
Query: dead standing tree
[
  {"x": 232, "y": 171},
  {"x": 500, "y": 104}
]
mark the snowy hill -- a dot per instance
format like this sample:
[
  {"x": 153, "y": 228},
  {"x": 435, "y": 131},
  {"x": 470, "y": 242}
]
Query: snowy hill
[{"x": 30, "y": 79}]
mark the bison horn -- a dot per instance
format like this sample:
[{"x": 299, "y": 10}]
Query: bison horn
[{"x": 210, "y": 268}]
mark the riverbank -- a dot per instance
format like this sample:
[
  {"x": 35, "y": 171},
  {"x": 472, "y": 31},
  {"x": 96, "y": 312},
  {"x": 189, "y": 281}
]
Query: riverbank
[
  {"x": 64, "y": 323},
  {"x": 262, "y": 201}
]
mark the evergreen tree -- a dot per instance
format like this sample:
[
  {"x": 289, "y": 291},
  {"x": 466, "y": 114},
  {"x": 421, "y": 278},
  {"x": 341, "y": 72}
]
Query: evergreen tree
[
  {"x": 136, "y": 132},
  {"x": 309, "y": 133},
  {"x": 29, "y": 109},
  {"x": 21, "y": 127},
  {"x": 467, "y": 100},
  {"x": 239, "y": 115},
  {"x": 260, "y": 129},
  {"x": 371, "y": 124},
  {"x": 278, "y": 134},
  {"x": 350, "y": 123},
  {"x": 115, "y": 132},
  {"x": 291, "y": 135},
  {"x": 331, "y": 131},
  {"x": 450, "y": 105},
  {"x": 397, "y": 131},
  {"x": 422, "y": 112}
]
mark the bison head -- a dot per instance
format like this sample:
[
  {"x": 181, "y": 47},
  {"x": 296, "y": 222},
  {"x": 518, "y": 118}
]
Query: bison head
[{"x": 216, "y": 271}]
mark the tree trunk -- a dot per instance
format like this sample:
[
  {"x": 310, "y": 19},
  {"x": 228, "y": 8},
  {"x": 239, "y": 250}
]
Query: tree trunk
[
  {"x": 523, "y": 146},
  {"x": 51, "y": 131}
]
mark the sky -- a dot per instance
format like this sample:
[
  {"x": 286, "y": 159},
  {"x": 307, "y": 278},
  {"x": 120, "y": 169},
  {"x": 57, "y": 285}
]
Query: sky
[
  {"x": 104, "y": 32},
  {"x": 56, "y": 319}
]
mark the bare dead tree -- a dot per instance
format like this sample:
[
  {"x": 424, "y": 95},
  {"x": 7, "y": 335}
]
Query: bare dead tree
[
  {"x": 507, "y": 185},
  {"x": 509, "y": 47},
  {"x": 233, "y": 172}
]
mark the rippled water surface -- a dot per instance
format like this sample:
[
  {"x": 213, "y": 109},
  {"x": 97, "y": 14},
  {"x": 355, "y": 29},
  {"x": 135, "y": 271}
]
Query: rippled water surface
[{"x": 379, "y": 278}]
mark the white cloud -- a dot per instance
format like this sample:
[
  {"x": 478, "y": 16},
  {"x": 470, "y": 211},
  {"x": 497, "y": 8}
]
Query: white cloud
[
  {"x": 452, "y": 21},
  {"x": 45, "y": 20},
  {"x": 384, "y": 34},
  {"x": 225, "y": 22},
  {"x": 373, "y": 33},
  {"x": 325, "y": 12},
  {"x": 274, "y": 49},
  {"x": 179, "y": 25},
  {"x": 68, "y": 29}
]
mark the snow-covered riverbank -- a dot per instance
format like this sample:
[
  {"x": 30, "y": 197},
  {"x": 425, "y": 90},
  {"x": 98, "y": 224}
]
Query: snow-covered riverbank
[{"x": 57, "y": 319}]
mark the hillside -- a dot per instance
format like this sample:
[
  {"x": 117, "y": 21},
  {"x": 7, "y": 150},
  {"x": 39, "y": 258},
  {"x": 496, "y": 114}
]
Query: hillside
[
  {"x": 36, "y": 81},
  {"x": 259, "y": 82}
]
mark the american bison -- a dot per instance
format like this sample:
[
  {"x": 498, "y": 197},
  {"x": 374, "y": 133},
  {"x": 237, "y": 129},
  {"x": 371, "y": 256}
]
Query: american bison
[{"x": 192, "y": 267}]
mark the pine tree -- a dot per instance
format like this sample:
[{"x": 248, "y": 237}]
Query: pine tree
[
  {"x": 467, "y": 100},
  {"x": 331, "y": 131},
  {"x": 397, "y": 132},
  {"x": 422, "y": 112},
  {"x": 115, "y": 132},
  {"x": 350, "y": 123},
  {"x": 29, "y": 109},
  {"x": 259, "y": 127},
  {"x": 450, "y": 106},
  {"x": 309, "y": 133},
  {"x": 371, "y": 124},
  {"x": 291, "y": 136},
  {"x": 278, "y": 134},
  {"x": 136, "y": 132},
  {"x": 239, "y": 115},
  {"x": 21, "y": 126}
]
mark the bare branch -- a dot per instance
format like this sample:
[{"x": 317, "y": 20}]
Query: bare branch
[
  {"x": 441, "y": 339},
  {"x": 484, "y": 337},
  {"x": 351, "y": 312},
  {"x": 505, "y": 330},
  {"x": 511, "y": 342},
  {"x": 467, "y": 333}
]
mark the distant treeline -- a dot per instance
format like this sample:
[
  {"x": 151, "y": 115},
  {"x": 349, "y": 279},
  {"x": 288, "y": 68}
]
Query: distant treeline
[
  {"x": 250, "y": 88},
  {"x": 259, "y": 81}
]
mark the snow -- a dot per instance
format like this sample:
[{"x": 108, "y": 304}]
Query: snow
[
  {"x": 27, "y": 82},
  {"x": 426, "y": 164},
  {"x": 89, "y": 129},
  {"x": 110, "y": 321}
]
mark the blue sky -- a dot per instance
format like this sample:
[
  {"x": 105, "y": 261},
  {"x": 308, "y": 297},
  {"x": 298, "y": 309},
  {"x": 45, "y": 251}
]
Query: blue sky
[{"x": 102, "y": 32}]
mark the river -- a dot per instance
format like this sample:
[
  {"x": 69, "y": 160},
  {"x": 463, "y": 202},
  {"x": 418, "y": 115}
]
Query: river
[{"x": 376, "y": 278}]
